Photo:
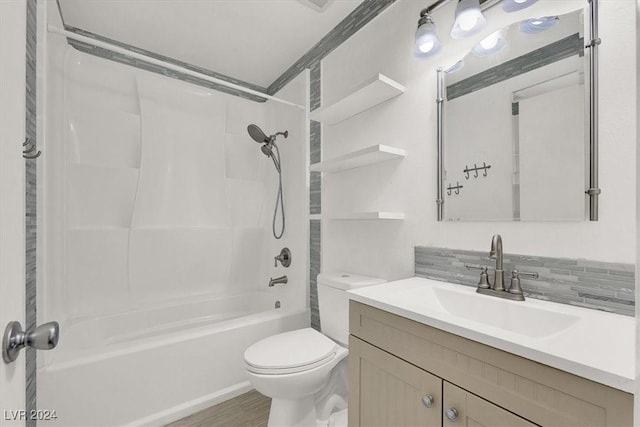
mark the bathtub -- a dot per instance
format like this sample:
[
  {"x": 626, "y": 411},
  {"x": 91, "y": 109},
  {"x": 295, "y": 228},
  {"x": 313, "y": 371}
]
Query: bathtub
[{"x": 155, "y": 365}]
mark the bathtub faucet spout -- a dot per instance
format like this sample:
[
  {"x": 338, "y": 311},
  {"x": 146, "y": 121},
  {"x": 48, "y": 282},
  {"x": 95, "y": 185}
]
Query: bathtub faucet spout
[{"x": 277, "y": 281}]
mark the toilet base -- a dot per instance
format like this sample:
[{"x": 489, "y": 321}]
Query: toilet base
[{"x": 293, "y": 413}]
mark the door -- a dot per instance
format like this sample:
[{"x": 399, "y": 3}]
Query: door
[
  {"x": 387, "y": 391},
  {"x": 12, "y": 255},
  {"x": 461, "y": 408}
]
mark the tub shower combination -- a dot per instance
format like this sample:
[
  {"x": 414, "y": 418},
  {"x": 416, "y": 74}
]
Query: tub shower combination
[{"x": 157, "y": 242}]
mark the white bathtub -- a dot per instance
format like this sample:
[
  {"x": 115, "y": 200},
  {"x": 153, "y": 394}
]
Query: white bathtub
[{"x": 153, "y": 366}]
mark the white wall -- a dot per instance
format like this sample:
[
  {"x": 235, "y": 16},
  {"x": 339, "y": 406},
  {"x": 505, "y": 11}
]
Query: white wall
[
  {"x": 12, "y": 243},
  {"x": 385, "y": 249}
]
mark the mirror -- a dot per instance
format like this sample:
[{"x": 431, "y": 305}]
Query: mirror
[{"x": 516, "y": 125}]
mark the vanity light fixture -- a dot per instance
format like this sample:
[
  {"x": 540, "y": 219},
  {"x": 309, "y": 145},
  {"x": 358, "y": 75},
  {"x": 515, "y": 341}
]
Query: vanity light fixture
[
  {"x": 469, "y": 19},
  {"x": 427, "y": 41},
  {"x": 494, "y": 43},
  {"x": 538, "y": 25},
  {"x": 516, "y": 5}
]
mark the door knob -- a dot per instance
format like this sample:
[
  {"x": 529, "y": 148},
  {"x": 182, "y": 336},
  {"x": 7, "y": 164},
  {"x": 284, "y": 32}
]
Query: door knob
[{"x": 44, "y": 337}]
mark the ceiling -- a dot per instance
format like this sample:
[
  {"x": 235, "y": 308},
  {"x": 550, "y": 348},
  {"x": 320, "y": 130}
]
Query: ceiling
[{"x": 251, "y": 40}]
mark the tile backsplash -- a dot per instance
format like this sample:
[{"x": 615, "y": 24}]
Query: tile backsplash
[{"x": 598, "y": 285}]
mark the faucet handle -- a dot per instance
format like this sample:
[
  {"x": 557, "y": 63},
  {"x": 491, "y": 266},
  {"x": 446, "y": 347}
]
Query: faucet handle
[
  {"x": 515, "y": 287},
  {"x": 484, "y": 277},
  {"x": 284, "y": 257}
]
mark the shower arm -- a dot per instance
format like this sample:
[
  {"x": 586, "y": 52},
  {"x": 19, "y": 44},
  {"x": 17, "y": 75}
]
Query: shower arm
[{"x": 285, "y": 134}]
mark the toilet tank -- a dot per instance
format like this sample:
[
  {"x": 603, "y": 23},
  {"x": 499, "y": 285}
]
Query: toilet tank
[{"x": 333, "y": 301}]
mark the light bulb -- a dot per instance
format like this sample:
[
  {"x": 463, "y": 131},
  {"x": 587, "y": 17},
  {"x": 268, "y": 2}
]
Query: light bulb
[
  {"x": 426, "y": 39},
  {"x": 536, "y": 22},
  {"x": 491, "y": 41},
  {"x": 426, "y": 46},
  {"x": 467, "y": 22},
  {"x": 515, "y": 5}
]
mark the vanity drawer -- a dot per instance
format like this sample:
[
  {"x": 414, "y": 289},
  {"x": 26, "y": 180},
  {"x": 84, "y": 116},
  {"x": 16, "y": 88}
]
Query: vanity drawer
[{"x": 544, "y": 395}]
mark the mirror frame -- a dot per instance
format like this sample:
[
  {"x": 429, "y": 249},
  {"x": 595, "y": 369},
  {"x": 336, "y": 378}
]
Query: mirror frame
[{"x": 593, "y": 191}]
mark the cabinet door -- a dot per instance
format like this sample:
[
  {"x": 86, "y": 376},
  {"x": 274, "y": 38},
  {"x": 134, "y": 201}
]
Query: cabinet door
[
  {"x": 387, "y": 391},
  {"x": 469, "y": 410}
]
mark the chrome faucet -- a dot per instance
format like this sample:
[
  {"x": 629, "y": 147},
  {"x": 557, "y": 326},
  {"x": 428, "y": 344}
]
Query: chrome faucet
[
  {"x": 497, "y": 289},
  {"x": 496, "y": 253},
  {"x": 278, "y": 281}
]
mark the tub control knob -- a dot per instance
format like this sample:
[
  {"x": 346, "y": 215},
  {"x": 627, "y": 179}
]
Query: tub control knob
[
  {"x": 284, "y": 257},
  {"x": 44, "y": 337}
]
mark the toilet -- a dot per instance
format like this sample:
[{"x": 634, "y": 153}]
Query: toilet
[{"x": 304, "y": 371}]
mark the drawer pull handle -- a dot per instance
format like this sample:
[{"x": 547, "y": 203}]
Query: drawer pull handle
[
  {"x": 427, "y": 400},
  {"x": 451, "y": 414}
]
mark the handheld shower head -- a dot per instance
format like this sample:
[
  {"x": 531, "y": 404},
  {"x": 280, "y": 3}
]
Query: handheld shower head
[{"x": 266, "y": 149}]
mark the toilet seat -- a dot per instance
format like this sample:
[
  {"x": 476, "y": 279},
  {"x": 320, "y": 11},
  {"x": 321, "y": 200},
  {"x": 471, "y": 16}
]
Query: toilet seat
[{"x": 290, "y": 352}]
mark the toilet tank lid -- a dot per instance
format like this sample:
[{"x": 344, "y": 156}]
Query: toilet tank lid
[{"x": 346, "y": 281}]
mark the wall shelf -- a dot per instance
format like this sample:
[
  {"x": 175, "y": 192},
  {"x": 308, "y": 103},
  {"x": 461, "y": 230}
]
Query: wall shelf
[
  {"x": 373, "y": 92},
  {"x": 398, "y": 216},
  {"x": 366, "y": 156}
]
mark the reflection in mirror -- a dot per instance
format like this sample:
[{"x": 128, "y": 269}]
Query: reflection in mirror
[{"x": 516, "y": 127}]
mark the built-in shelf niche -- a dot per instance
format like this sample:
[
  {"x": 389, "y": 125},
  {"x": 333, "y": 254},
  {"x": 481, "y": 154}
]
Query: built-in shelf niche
[
  {"x": 377, "y": 215},
  {"x": 366, "y": 156},
  {"x": 371, "y": 93}
]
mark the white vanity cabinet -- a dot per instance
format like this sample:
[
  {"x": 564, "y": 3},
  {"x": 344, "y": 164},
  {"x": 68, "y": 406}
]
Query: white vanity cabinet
[{"x": 404, "y": 373}]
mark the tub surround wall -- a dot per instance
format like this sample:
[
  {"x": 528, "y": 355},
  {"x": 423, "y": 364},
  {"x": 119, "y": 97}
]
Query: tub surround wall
[
  {"x": 159, "y": 178},
  {"x": 598, "y": 285}
]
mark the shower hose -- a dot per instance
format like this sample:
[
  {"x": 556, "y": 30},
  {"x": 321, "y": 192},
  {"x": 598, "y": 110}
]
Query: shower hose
[{"x": 279, "y": 196}]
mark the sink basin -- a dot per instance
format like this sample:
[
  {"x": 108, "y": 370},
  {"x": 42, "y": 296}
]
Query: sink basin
[
  {"x": 532, "y": 321},
  {"x": 589, "y": 343},
  {"x": 530, "y": 318}
]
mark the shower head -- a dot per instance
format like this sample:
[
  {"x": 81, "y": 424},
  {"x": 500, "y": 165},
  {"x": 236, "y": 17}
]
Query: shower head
[
  {"x": 261, "y": 138},
  {"x": 258, "y": 136}
]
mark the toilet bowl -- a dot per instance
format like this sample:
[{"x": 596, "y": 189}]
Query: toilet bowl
[
  {"x": 292, "y": 368},
  {"x": 295, "y": 368}
]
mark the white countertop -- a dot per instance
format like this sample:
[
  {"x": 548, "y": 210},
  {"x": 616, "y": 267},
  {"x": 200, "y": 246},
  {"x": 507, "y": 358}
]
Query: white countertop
[{"x": 592, "y": 344}]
